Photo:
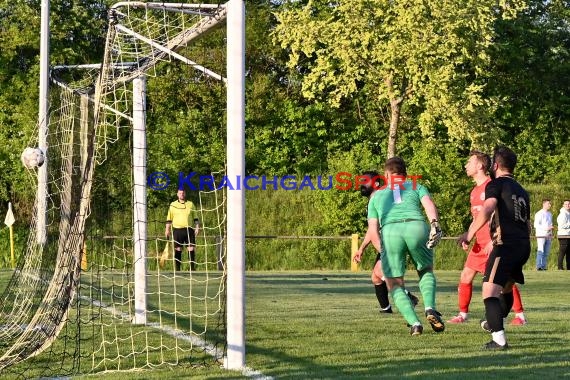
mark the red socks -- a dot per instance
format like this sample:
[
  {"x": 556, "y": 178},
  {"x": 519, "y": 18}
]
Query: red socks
[
  {"x": 464, "y": 291},
  {"x": 517, "y": 302}
]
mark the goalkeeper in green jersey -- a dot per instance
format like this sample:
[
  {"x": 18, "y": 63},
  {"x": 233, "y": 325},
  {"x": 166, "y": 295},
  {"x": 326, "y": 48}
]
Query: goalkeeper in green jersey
[
  {"x": 395, "y": 212},
  {"x": 367, "y": 190}
]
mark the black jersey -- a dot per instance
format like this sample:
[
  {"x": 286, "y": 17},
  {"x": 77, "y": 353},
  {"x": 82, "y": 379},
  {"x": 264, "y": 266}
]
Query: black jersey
[{"x": 510, "y": 222}]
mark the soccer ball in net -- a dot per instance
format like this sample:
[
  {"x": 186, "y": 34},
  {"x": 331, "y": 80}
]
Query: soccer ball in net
[{"x": 32, "y": 157}]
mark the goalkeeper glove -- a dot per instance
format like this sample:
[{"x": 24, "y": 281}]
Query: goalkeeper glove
[{"x": 434, "y": 234}]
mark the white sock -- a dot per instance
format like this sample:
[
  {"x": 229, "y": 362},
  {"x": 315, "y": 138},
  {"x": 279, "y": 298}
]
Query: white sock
[
  {"x": 521, "y": 316},
  {"x": 499, "y": 337},
  {"x": 464, "y": 315}
]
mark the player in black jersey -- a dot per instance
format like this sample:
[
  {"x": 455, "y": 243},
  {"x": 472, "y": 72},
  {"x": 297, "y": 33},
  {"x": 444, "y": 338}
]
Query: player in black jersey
[{"x": 507, "y": 206}]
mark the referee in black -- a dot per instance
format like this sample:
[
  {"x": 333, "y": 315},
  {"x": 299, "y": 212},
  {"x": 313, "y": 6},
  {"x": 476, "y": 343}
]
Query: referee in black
[
  {"x": 180, "y": 212},
  {"x": 507, "y": 207}
]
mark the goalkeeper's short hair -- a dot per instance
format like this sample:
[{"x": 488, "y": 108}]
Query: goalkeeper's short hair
[{"x": 396, "y": 165}]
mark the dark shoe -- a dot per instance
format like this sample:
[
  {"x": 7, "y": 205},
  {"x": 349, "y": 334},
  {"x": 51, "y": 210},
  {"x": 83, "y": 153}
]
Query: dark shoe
[
  {"x": 485, "y": 325},
  {"x": 414, "y": 299},
  {"x": 434, "y": 319},
  {"x": 386, "y": 311},
  {"x": 416, "y": 330},
  {"x": 492, "y": 345}
]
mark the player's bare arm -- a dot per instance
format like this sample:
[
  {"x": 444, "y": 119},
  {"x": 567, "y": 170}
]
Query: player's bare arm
[
  {"x": 435, "y": 233},
  {"x": 167, "y": 230},
  {"x": 465, "y": 245},
  {"x": 482, "y": 219},
  {"x": 196, "y": 226},
  {"x": 430, "y": 208},
  {"x": 365, "y": 243},
  {"x": 372, "y": 236}
]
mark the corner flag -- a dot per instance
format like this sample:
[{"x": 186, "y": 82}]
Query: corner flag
[
  {"x": 9, "y": 216},
  {"x": 9, "y": 221}
]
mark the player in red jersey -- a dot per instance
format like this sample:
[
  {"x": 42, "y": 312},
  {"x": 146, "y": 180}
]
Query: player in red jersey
[{"x": 477, "y": 168}]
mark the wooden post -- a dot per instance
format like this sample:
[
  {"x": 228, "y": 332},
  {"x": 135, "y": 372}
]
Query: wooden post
[
  {"x": 354, "y": 248},
  {"x": 84, "y": 265},
  {"x": 12, "y": 258}
]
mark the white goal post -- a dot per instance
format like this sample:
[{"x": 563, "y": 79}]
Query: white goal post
[
  {"x": 236, "y": 198},
  {"x": 235, "y": 303},
  {"x": 235, "y": 159}
]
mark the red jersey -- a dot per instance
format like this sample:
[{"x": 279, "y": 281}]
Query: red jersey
[{"x": 477, "y": 198}]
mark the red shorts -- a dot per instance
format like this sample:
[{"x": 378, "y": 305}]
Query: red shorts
[{"x": 477, "y": 257}]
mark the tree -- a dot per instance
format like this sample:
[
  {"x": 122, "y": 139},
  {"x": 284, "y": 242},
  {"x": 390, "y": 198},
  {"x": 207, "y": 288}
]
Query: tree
[
  {"x": 72, "y": 24},
  {"x": 428, "y": 53},
  {"x": 531, "y": 76}
]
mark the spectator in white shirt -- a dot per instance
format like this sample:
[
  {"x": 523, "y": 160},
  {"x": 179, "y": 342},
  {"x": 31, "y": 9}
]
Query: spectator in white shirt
[
  {"x": 563, "y": 222},
  {"x": 543, "y": 227}
]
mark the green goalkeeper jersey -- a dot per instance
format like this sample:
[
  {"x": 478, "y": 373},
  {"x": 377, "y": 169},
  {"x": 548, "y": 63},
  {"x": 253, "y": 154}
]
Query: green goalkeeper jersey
[{"x": 403, "y": 202}]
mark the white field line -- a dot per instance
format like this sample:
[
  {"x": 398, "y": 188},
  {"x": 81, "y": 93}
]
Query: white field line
[
  {"x": 194, "y": 340},
  {"x": 208, "y": 348}
]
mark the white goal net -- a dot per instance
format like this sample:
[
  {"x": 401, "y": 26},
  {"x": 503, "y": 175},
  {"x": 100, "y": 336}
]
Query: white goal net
[{"x": 102, "y": 292}]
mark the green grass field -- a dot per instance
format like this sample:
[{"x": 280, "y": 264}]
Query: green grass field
[{"x": 325, "y": 325}]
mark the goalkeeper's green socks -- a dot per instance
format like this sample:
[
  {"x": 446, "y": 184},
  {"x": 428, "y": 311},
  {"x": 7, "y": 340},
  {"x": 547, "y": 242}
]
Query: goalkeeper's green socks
[
  {"x": 427, "y": 288},
  {"x": 404, "y": 305}
]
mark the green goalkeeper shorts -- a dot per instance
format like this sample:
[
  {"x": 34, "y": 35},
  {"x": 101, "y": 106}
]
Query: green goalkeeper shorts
[{"x": 401, "y": 238}]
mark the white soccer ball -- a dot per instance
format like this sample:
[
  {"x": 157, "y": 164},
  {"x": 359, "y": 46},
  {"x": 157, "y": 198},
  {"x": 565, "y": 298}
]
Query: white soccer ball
[{"x": 32, "y": 157}]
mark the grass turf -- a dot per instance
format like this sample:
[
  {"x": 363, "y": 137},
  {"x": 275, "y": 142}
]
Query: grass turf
[{"x": 326, "y": 325}]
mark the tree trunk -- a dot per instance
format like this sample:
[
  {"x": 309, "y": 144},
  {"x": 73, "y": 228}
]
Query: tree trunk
[
  {"x": 395, "y": 106},
  {"x": 396, "y": 100}
]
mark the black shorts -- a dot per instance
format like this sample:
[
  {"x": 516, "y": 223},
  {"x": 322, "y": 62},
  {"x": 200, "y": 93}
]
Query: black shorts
[
  {"x": 506, "y": 262},
  {"x": 183, "y": 236}
]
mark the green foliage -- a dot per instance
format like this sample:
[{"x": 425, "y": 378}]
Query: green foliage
[
  {"x": 317, "y": 104},
  {"x": 343, "y": 211},
  {"x": 557, "y": 193},
  {"x": 442, "y": 169},
  {"x": 76, "y": 32},
  {"x": 20, "y": 235},
  {"x": 531, "y": 76},
  {"x": 333, "y": 214},
  {"x": 430, "y": 53},
  {"x": 273, "y": 213}
]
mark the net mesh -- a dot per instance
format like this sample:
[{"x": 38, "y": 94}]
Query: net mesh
[{"x": 70, "y": 304}]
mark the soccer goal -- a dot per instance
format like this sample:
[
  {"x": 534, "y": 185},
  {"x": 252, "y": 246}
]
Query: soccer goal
[{"x": 97, "y": 288}]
